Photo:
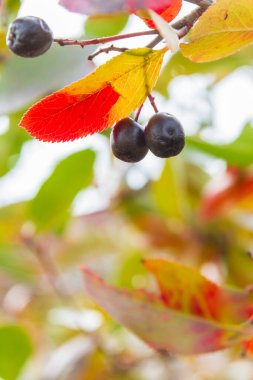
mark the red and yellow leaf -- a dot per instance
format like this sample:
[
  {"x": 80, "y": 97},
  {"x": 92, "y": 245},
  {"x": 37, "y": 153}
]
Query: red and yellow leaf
[
  {"x": 237, "y": 194},
  {"x": 172, "y": 329},
  {"x": 183, "y": 288},
  {"x": 225, "y": 28},
  {"x": 97, "y": 101}
]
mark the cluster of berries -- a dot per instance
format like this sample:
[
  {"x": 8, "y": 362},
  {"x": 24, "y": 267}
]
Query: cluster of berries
[{"x": 163, "y": 136}]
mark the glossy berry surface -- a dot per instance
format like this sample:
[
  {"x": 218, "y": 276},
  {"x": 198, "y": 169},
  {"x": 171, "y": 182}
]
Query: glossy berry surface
[
  {"x": 127, "y": 141},
  {"x": 29, "y": 36},
  {"x": 164, "y": 135}
]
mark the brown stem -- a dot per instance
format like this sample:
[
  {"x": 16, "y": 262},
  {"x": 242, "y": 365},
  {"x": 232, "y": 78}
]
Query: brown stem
[
  {"x": 155, "y": 42},
  {"x": 103, "y": 40},
  {"x": 201, "y": 3},
  {"x": 48, "y": 266},
  {"x": 185, "y": 24},
  {"x": 106, "y": 51}
]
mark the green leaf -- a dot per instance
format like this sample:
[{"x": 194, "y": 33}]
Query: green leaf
[
  {"x": 179, "y": 65},
  {"x": 105, "y": 25},
  {"x": 4, "y": 51},
  {"x": 15, "y": 349},
  {"x": 51, "y": 205},
  {"x": 238, "y": 153},
  {"x": 15, "y": 263},
  {"x": 12, "y": 218},
  {"x": 129, "y": 270},
  {"x": 11, "y": 143},
  {"x": 169, "y": 191},
  {"x": 12, "y": 7},
  {"x": 24, "y": 80}
]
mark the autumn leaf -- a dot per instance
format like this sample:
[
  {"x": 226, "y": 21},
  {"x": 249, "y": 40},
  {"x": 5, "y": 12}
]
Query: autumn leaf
[
  {"x": 89, "y": 7},
  {"x": 170, "y": 326},
  {"x": 97, "y": 101},
  {"x": 168, "y": 12},
  {"x": 236, "y": 194},
  {"x": 184, "y": 288},
  {"x": 225, "y": 28}
]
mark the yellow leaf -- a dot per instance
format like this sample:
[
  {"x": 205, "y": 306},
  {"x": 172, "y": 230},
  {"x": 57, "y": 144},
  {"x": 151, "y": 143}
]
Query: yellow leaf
[
  {"x": 225, "y": 28},
  {"x": 97, "y": 101}
]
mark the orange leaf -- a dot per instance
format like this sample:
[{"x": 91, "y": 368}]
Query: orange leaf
[
  {"x": 97, "y": 101},
  {"x": 237, "y": 193},
  {"x": 184, "y": 288}
]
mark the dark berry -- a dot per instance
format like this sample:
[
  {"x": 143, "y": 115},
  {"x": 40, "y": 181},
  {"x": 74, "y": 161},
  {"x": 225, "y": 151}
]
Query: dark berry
[
  {"x": 164, "y": 135},
  {"x": 29, "y": 36},
  {"x": 127, "y": 141}
]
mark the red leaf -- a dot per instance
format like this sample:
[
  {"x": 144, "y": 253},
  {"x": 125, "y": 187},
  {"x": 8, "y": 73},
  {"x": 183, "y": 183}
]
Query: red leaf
[
  {"x": 239, "y": 190},
  {"x": 89, "y": 7},
  {"x": 61, "y": 116},
  {"x": 168, "y": 12},
  {"x": 161, "y": 327}
]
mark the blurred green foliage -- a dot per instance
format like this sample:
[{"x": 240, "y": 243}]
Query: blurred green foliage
[
  {"x": 103, "y": 26},
  {"x": 238, "y": 153},
  {"x": 15, "y": 345},
  {"x": 50, "y": 207}
]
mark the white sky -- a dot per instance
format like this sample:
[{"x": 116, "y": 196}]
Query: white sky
[{"x": 232, "y": 100}]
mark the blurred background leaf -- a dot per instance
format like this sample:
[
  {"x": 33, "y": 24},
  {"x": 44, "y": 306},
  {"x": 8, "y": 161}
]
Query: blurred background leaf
[
  {"x": 238, "y": 153},
  {"x": 105, "y": 25},
  {"x": 39, "y": 76},
  {"x": 51, "y": 205},
  {"x": 15, "y": 349}
]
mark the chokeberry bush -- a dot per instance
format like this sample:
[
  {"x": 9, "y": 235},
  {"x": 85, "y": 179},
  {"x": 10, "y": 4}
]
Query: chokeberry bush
[{"x": 126, "y": 270}]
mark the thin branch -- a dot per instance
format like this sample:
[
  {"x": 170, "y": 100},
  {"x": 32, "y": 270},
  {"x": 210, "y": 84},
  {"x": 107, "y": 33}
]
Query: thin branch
[
  {"x": 201, "y": 3},
  {"x": 103, "y": 40},
  {"x": 187, "y": 22},
  {"x": 106, "y": 51},
  {"x": 183, "y": 25},
  {"x": 47, "y": 265},
  {"x": 155, "y": 42}
]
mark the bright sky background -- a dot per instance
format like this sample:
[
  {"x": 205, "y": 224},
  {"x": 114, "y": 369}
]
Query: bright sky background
[{"x": 232, "y": 100}]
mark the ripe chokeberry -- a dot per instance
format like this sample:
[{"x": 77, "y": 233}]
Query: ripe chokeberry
[
  {"x": 127, "y": 141},
  {"x": 29, "y": 36},
  {"x": 164, "y": 135}
]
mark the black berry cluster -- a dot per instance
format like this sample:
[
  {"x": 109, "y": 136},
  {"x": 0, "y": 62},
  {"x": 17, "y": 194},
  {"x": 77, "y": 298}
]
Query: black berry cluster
[
  {"x": 29, "y": 36},
  {"x": 163, "y": 136}
]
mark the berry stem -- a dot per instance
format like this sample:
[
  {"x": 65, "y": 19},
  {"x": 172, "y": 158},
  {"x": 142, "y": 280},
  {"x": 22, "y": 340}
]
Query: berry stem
[
  {"x": 103, "y": 40},
  {"x": 152, "y": 101},
  {"x": 138, "y": 113}
]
